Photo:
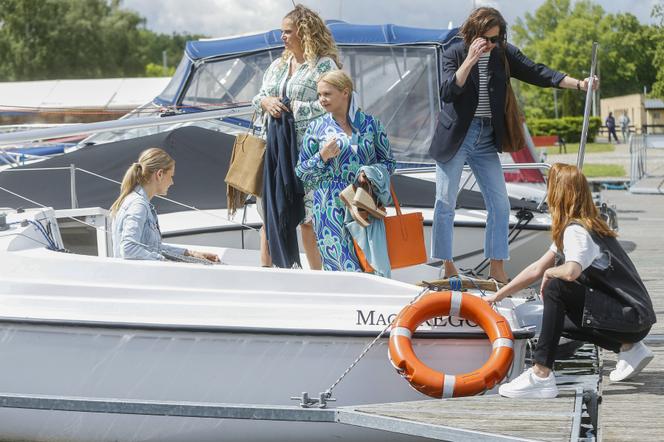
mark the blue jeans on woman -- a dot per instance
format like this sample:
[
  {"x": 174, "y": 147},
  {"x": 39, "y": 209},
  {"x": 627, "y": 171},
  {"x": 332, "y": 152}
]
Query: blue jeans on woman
[{"x": 479, "y": 151}]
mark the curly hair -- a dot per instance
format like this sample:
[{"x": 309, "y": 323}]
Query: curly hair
[
  {"x": 480, "y": 21},
  {"x": 316, "y": 38}
]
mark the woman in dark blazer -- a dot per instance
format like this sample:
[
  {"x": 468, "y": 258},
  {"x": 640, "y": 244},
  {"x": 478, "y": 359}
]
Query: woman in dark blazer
[{"x": 471, "y": 125}]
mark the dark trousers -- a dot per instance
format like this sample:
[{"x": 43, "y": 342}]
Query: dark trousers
[
  {"x": 563, "y": 314},
  {"x": 612, "y": 131}
]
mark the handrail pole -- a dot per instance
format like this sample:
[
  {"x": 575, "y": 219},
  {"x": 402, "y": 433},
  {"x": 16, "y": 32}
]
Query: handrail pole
[
  {"x": 586, "y": 111},
  {"x": 72, "y": 175},
  {"x": 122, "y": 124}
]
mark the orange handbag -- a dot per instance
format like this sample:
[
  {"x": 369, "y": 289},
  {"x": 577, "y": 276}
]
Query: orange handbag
[{"x": 405, "y": 239}]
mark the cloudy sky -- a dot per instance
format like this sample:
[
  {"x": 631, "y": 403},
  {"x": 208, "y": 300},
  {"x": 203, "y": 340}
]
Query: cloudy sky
[{"x": 220, "y": 18}]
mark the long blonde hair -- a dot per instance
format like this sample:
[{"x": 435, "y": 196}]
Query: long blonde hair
[
  {"x": 570, "y": 201},
  {"x": 316, "y": 38},
  {"x": 150, "y": 161}
]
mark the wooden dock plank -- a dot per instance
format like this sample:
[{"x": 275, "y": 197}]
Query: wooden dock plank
[
  {"x": 641, "y": 221},
  {"x": 632, "y": 411},
  {"x": 535, "y": 419}
]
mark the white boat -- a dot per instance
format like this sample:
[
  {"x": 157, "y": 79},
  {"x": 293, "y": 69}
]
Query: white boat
[{"x": 97, "y": 327}]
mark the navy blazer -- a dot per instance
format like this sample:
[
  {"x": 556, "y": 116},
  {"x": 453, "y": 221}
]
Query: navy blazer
[{"x": 460, "y": 103}]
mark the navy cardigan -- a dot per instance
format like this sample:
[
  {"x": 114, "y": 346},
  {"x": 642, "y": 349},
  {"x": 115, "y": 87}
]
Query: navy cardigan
[{"x": 459, "y": 103}]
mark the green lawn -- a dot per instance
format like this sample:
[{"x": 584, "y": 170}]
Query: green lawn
[
  {"x": 603, "y": 170},
  {"x": 590, "y": 148}
]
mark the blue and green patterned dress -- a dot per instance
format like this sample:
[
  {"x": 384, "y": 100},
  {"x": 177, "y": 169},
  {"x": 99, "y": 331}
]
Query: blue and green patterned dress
[{"x": 329, "y": 179}]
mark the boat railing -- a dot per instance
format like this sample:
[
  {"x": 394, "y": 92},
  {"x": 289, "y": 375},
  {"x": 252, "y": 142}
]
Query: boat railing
[
  {"x": 469, "y": 173},
  {"x": 15, "y": 159},
  {"x": 8, "y": 128},
  {"x": 72, "y": 169},
  {"x": 122, "y": 124}
]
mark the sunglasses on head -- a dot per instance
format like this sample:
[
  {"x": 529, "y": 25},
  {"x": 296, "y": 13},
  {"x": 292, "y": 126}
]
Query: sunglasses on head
[{"x": 495, "y": 39}]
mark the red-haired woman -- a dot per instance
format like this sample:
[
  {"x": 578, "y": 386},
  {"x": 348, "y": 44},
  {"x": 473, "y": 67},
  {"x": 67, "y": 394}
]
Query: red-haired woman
[{"x": 590, "y": 289}]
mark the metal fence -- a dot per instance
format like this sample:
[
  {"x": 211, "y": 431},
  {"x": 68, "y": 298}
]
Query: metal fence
[{"x": 638, "y": 153}]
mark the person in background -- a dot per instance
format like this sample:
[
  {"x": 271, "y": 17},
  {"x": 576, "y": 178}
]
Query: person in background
[
  {"x": 135, "y": 227},
  {"x": 471, "y": 126},
  {"x": 590, "y": 289},
  {"x": 624, "y": 126},
  {"x": 335, "y": 148},
  {"x": 309, "y": 52},
  {"x": 611, "y": 126}
]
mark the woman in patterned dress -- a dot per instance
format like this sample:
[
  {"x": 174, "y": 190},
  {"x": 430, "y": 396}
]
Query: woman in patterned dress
[
  {"x": 309, "y": 52},
  {"x": 334, "y": 147}
]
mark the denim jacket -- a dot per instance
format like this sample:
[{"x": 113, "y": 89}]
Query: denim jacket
[{"x": 136, "y": 233}]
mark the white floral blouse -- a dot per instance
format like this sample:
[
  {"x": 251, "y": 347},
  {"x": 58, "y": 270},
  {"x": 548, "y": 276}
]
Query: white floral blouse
[{"x": 301, "y": 89}]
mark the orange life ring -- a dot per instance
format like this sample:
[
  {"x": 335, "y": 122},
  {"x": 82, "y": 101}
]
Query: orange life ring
[{"x": 435, "y": 383}]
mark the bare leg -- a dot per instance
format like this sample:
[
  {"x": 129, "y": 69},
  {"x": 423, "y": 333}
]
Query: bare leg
[
  {"x": 450, "y": 269},
  {"x": 266, "y": 259},
  {"x": 497, "y": 270},
  {"x": 310, "y": 246},
  {"x": 541, "y": 371},
  {"x": 626, "y": 347}
]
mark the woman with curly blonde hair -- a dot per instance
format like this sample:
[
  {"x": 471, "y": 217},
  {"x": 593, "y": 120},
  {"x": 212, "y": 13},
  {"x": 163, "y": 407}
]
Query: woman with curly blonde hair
[
  {"x": 309, "y": 52},
  {"x": 315, "y": 37}
]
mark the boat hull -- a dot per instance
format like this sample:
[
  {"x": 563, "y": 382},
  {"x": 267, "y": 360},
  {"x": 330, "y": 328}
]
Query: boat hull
[{"x": 204, "y": 366}]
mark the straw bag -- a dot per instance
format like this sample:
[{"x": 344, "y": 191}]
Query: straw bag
[
  {"x": 405, "y": 239},
  {"x": 245, "y": 173},
  {"x": 513, "y": 138}
]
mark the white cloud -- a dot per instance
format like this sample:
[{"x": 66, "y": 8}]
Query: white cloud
[{"x": 221, "y": 18}]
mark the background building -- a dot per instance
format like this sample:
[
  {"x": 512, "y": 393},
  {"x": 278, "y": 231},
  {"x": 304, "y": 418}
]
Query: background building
[{"x": 645, "y": 114}]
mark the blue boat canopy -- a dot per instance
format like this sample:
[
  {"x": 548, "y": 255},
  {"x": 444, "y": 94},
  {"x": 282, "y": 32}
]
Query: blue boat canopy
[
  {"x": 396, "y": 70},
  {"x": 345, "y": 34}
]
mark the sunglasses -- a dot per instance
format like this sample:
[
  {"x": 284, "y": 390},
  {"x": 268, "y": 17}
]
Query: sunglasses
[{"x": 495, "y": 39}]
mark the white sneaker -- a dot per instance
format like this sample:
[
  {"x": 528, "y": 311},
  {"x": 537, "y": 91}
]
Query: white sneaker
[
  {"x": 529, "y": 385},
  {"x": 631, "y": 362}
]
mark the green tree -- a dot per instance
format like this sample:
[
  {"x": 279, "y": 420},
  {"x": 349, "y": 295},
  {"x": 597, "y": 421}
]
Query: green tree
[
  {"x": 658, "y": 56},
  {"x": 67, "y": 39},
  {"x": 48, "y": 39},
  {"x": 153, "y": 46},
  {"x": 561, "y": 36}
]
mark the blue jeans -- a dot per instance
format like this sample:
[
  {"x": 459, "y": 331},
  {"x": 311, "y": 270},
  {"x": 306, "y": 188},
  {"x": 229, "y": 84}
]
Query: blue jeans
[{"x": 479, "y": 151}]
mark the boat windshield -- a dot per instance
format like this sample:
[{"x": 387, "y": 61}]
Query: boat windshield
[{"x": 398, "y": 85}]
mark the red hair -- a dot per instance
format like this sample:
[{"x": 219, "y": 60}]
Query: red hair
[{"x": 570, "y": 201}]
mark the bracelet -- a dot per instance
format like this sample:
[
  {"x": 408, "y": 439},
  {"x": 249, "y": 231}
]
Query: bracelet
[{"x": 578, "y": 85}]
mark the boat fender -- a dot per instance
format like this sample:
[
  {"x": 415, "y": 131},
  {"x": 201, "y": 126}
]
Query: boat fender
[{"x": 438, "y": 384}]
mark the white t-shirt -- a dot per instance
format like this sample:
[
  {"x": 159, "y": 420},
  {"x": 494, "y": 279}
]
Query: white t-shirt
[{"x": 578, "y": 246}]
